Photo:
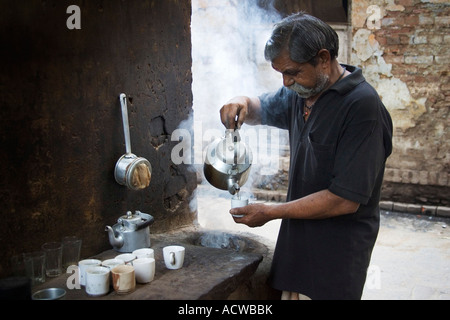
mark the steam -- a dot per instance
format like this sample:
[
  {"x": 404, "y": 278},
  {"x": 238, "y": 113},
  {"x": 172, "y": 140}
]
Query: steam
[
  {"x": 228, "y": 42},
  {"x": 228, "y": 39}
]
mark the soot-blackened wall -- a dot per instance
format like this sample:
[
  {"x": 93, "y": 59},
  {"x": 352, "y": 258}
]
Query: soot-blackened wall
[{"x": 60, "y": 120}]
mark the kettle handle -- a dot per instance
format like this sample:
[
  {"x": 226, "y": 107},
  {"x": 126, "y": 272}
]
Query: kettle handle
[{"x": 148, "y": 220}]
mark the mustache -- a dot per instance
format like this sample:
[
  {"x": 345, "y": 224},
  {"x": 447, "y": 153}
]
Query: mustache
[
  {"x": 305, "y": 92},
  {"x": 302, "y": 91}
]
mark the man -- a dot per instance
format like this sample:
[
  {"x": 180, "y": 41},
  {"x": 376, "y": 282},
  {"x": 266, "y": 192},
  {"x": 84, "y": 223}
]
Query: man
[{"x": 340, "y": 136}]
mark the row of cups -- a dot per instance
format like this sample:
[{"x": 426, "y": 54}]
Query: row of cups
[{"x": 125, "y": 270}]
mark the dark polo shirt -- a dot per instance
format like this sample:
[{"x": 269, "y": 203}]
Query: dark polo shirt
[{"x": 342, "y": 147}]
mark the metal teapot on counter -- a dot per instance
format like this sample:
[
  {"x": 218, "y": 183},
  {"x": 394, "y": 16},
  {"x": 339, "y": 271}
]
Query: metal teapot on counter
[
  {"x": 227, "y": 162},
  {"x": 131, "y": 232}
]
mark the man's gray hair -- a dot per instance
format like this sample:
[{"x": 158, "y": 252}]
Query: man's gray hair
[{"x": 303, "y": 36}]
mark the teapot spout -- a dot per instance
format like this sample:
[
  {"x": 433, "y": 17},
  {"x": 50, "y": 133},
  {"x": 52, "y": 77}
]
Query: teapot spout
[
  {"x": 233, "y": 187},
  {"x": 116, "y": 242}
]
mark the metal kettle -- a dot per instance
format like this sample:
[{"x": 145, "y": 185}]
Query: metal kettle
[
  {"x": 227, "y": 162},
  {"x": 131, "y": 232}
]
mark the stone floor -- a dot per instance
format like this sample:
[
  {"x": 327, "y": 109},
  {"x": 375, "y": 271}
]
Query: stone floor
[{"x": 411, "y": 259}]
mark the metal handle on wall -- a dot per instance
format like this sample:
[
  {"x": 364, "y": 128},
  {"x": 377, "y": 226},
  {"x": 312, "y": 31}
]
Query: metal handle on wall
[{"x": 126, "y": 128}]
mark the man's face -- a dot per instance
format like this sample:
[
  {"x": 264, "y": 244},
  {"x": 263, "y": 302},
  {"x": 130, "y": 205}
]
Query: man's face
[{"x": 303, "y": 78}]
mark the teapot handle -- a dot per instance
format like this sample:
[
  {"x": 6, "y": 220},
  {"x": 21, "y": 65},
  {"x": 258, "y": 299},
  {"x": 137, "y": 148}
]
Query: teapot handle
[{"x": 148, "y": 220}]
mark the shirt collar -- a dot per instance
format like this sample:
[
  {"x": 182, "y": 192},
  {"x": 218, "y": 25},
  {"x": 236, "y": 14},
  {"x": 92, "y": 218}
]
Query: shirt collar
[{"x": 346, "y": 84}]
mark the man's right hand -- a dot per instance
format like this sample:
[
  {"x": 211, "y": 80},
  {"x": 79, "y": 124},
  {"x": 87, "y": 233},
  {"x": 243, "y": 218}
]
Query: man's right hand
[{"x": 239, "y": 110}]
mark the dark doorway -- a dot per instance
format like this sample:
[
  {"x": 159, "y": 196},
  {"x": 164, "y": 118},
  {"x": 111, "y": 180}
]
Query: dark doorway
[{"x": 331, "y": 11}]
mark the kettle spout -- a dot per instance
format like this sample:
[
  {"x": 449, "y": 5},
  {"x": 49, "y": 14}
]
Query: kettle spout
[
  {"x": 233, "y": 187},
  {"x": 116, "y": 242}
]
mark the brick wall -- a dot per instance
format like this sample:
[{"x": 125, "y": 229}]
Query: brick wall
[{"x": 403, "y": 48}]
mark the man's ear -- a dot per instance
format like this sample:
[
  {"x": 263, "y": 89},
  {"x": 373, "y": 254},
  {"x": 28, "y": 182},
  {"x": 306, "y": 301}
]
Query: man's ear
[{"x": 324, "y": 57}]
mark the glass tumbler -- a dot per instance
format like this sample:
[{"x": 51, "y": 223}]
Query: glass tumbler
[{"x": 53, "y": 258}]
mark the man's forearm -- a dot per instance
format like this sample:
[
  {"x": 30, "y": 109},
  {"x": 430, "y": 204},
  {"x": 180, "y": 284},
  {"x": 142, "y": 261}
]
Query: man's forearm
[{"x": 319, "y": 205}]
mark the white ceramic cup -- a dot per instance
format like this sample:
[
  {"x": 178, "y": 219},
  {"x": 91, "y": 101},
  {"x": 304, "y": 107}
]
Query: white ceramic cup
[
  {"x": 126, "y": 257},
  {"x": 174, "y": 256},
  {"x": 111, "y": 263},
  {"x": 97, "y": 281},
  {"x": 144, "y": 253},
  {"x": 83, "y": 265},
  {"x": 144, "y": 269}
]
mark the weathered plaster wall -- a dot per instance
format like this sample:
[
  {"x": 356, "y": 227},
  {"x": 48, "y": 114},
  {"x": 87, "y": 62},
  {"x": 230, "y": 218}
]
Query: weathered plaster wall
[
  {"x": 403, "y": 48},
  {"x": 60, "y": 121}
]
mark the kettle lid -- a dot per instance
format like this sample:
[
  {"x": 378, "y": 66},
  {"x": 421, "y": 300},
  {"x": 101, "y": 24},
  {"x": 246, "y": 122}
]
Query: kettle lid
[
  {"x": 135, "y": 221},
  {"x": 130, "y": 218},
  {"x": 230, "y": 149}
]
